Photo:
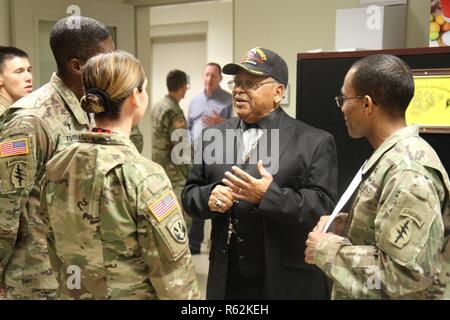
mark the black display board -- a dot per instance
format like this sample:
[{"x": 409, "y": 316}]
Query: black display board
[{"x": 319, "y": 80}]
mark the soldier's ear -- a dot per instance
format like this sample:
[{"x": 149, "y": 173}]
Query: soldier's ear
[
  {"x": 74, "y": 66},
  {"x": 134, "y": 98}
]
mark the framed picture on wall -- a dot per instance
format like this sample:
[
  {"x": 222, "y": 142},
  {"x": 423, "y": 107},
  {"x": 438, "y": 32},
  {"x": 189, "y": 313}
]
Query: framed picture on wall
[{"x": 430, "y": 106}]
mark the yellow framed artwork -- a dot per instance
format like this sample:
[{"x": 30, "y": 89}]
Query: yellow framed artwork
[{"x": 430, "y": 106}]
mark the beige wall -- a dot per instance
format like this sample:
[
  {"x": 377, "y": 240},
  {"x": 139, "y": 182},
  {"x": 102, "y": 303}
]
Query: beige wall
[
  {"x": 417, "y": 23},
  {"x": 5, "y": 20},
  {"x": 32, "y": 21},
  {"x": 292, "y": 26},
  {"x": 5, "y": 23},
  {"x": 212, "y": 20},
  {"x": 219, "y": 18}
]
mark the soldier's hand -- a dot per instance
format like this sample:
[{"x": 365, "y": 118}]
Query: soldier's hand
[
  {"x": 337, "y": 226},
  {"x": 311, "y": 243},
  {"x": 321, "y": 224},
  {"x": 339, "y": 223},
  {"x": 221, "y": 199}
]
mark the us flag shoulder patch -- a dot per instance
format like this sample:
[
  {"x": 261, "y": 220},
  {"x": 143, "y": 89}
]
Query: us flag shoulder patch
[
  {"x": 14, "y": 148},
  {"x": 161, "y": 208}
]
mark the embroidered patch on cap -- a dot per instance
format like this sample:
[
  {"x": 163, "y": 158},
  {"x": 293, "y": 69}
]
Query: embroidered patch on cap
[
  {"x": 163, "y": 207},
  {"x": 14, "y": 148}
]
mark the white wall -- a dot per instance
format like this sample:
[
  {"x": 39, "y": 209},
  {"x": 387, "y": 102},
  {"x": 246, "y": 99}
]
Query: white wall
[
  {"x": 219, "y": 18},
  {"x": 166, "y": 57},
  {"x": 212, "y": 19},
  {"x": 5, "y": 23}
]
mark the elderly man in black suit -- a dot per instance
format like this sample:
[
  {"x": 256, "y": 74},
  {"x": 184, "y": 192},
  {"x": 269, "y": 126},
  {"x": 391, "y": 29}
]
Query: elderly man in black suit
[{"x": 261, "y": 214}]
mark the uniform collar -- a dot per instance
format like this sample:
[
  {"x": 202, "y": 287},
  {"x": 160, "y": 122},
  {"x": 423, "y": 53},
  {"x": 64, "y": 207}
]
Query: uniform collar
[
  {"x": 70, "y": 99},
  {"x": 99, "y": 138},
  {"x": 406, "y": 132}
]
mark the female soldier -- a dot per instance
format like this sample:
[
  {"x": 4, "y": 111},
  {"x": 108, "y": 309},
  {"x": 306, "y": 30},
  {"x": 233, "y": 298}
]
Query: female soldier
[{"x": 116, "y": 229}]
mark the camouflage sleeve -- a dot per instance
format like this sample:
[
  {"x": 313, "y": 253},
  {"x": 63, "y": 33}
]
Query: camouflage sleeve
[
  {"x": 137, "y": 138},
  {"x": 163, "y": 239},
  {"x": 23, "y": 147},
  {"x": 408, "y": 234},
  {"x": 55, "y": 261},
  {"x": 174, "y": 120}
]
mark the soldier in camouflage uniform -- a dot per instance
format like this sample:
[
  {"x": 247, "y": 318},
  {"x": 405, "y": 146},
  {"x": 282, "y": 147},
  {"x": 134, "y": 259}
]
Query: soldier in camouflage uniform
[
  {"x": 137, "y": 138},
  {"x": 16, "y": 79},
  {"x": 167, "y": 116},
  {"x": 4, "y": 105},
  {"x": 28, "y": 139},
  {"x": 117, "y": 231},
  {"x": 391, "y": 246}
]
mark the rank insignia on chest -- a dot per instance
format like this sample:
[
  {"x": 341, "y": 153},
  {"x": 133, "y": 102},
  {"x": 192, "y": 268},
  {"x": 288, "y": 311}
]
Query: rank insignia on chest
[
  {"x": 14, "y": 148},
  {"x": 163, "y": 207}
]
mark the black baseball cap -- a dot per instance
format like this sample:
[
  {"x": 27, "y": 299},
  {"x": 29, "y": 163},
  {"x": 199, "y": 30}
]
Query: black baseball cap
[{"x": 263, "y": 62}]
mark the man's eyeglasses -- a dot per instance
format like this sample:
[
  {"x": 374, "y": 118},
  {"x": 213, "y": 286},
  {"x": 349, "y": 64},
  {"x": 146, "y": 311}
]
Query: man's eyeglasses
[
  {"x": 246, "y": 85},
  {"x": 340, "y": 100}
]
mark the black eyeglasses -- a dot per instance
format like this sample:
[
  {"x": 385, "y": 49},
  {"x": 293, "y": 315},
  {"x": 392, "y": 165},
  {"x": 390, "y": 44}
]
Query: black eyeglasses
[
  {"x": 340, "y": 100},
  {"x": 233, "y": 84}
]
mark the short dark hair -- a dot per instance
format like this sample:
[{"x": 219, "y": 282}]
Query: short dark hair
[
  {"x": 387, "y": 79},
  {"x": 7, "y": 53},
  {"x": 214, "y": 64},
  {"x": 70, "y": 40},
  {"x": 175, "y": 80}
]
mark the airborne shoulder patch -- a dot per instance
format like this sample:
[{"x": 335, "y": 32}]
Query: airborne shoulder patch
[
  {"x": 15, "y": 147},
  {"x": 164, "y": 206}
]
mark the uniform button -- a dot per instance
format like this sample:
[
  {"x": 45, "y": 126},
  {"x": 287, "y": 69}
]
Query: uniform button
[
  {"x": 240, "y": 240},
  {"x": 236, "y": 221},
  {"x": 241, "y": 257},
  {"x": 224, "y": 252}
]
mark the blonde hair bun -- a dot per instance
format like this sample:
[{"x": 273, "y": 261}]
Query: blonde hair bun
[{"x": 92, "y": 103}]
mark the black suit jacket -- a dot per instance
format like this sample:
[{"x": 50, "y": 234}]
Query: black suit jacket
[{"x": 271, "y": 236}]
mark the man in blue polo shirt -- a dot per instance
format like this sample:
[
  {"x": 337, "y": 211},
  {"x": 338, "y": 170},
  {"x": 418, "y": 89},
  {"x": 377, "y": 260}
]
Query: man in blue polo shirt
[{"x": 211, "y": 106}]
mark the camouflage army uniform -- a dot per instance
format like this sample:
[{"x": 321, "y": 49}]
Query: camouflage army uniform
[
  {"x": 4, "y": 105},
  {"x": 166, "y": 116},
  {"x": 113, "y": 215},
  {"x": 28, "y": 140},
  {"x": 137, "y": 138},
  {"x": 394, "y": 234}
]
